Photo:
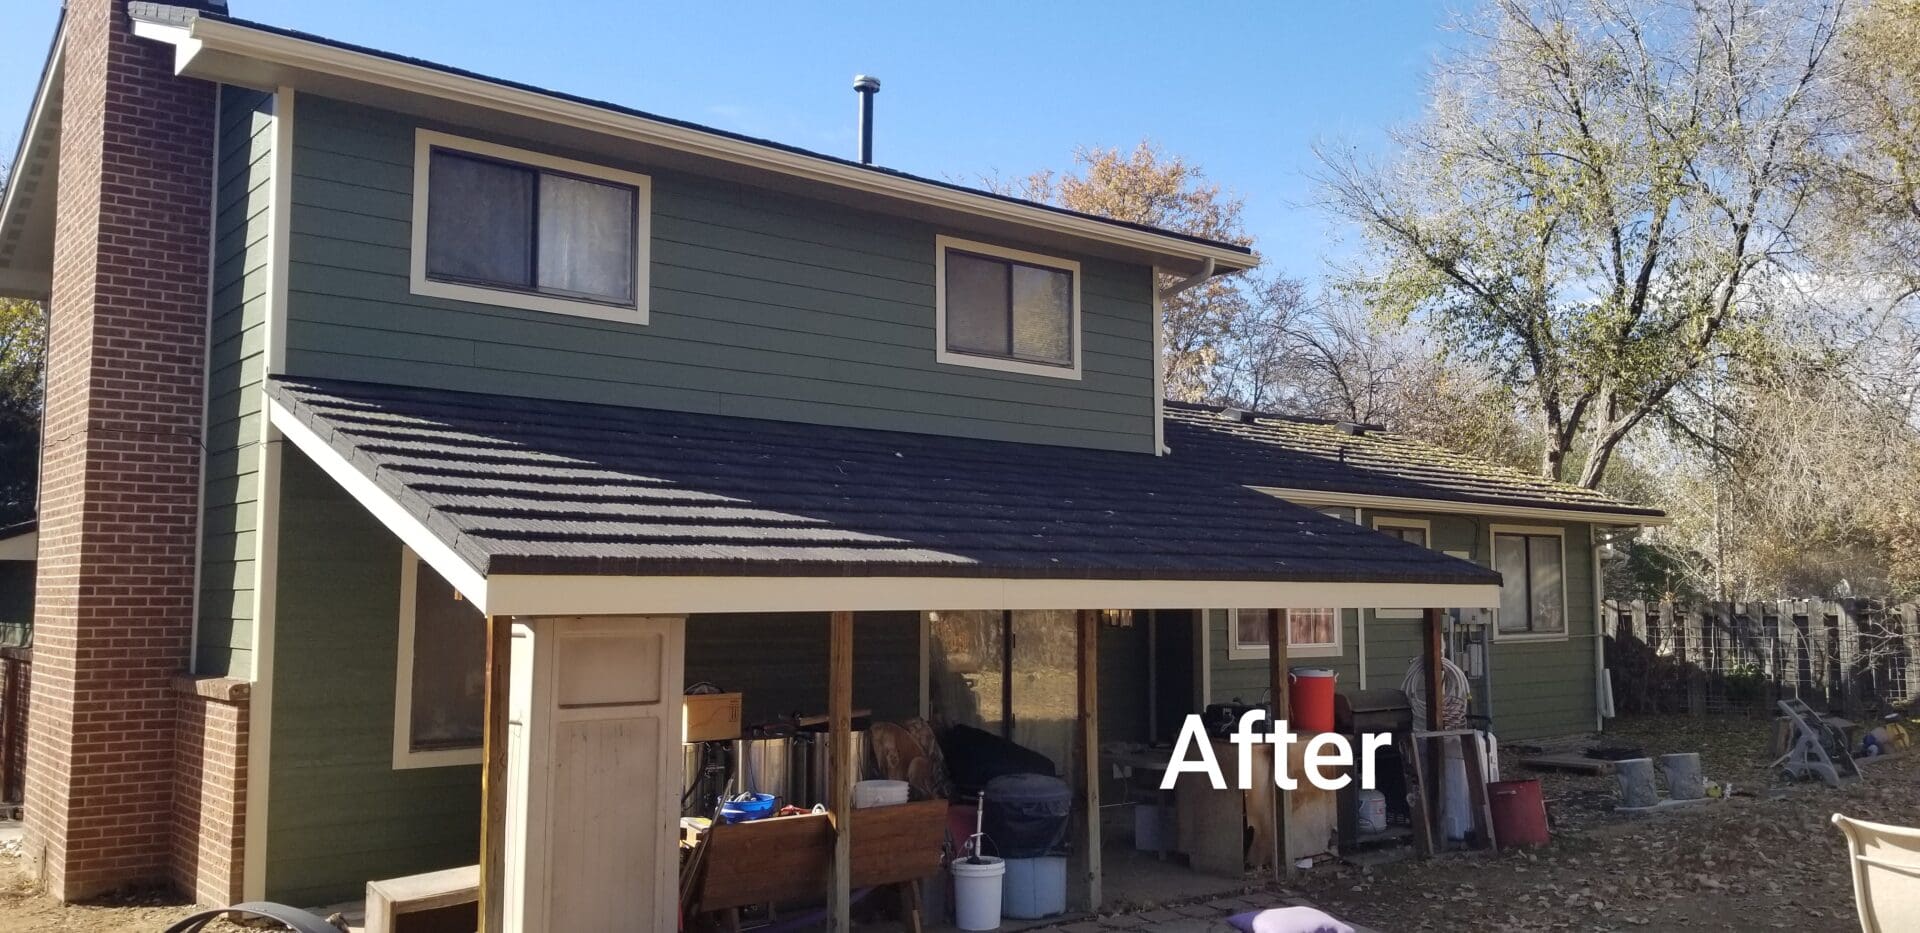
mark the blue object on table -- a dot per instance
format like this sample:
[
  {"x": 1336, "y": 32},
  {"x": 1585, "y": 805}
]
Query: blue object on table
[{"x": 750, "y": 807}]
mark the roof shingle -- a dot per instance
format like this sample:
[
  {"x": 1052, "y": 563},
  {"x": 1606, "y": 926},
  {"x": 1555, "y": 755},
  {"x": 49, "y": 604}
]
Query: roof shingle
[
  {"x": 520, "y": 486},
  {"x": 1300, "y": 453}
]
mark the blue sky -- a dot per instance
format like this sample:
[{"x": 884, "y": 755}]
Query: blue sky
[{"x": 1243, "y": 89}]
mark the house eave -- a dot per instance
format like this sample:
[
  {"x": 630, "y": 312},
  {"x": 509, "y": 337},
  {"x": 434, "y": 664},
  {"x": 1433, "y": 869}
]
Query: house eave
[
  {"x": 1319, "y": 498},
  {"x": 545, "y": 595},
  {"x": 215, "y": 49},
  {"x": 27, "y": 201}
]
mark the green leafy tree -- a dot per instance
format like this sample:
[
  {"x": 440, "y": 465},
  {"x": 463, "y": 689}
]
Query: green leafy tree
[{"x": 23, "y": 345}]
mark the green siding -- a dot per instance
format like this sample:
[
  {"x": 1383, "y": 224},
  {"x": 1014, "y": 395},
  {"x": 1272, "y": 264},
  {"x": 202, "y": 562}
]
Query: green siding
[
  {"x": 224, "y": 643},
  {"x": 1538, "y": 689},
  {"x": 778, "y": 662},
  {"x": 763, "y": 304},
  {"x": 338, "y": 813}
]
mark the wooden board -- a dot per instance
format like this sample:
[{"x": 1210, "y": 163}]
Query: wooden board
[
  {"x": 1566, "y": 761},
  {"x": 898, "y": 843},
  {"x": 774, "y": 860}
]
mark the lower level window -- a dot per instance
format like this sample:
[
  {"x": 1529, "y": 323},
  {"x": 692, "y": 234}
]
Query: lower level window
[
  {"x": 440, "y": 694},
  {"x": 1310, "y": 632},
  {"x": 1533, "y": 583}
]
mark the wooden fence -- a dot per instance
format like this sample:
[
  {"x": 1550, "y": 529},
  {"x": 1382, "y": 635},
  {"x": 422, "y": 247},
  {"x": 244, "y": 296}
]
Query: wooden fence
[{"x": 1855, "y": 657}]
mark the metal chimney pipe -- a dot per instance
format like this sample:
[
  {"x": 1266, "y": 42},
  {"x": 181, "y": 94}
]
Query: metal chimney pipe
[{"x": 866, "y": 86}]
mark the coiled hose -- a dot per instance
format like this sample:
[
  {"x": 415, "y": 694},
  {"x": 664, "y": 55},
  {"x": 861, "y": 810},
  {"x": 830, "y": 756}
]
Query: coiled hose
[{"x": 1454, "y": 690}]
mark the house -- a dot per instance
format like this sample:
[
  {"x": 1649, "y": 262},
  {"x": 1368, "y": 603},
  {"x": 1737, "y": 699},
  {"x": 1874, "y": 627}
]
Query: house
[
  {"x": 1535, "y": 660},
  {"x": 414, "y": 438}
]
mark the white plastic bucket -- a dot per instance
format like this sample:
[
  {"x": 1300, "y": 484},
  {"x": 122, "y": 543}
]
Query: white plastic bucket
[
  {"x": 1372, "y": 811},
  {"x": 879, "y": 794},
  {"x": 1034, "y": 887},
  {"x": 976, "y": 892}
]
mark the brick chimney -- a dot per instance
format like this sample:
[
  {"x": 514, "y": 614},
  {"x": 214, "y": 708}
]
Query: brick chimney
[{"x": 120, "y": 474}]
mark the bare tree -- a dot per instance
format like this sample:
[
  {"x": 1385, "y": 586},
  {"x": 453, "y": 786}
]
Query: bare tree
[{"x": 1595, "y": 192}]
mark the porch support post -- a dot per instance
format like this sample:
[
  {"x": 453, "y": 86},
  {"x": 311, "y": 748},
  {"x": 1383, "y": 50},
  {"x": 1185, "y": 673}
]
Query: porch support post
[
  {"x": 1086, "y": 863},
  {"x": 493, "y": 777},
  {"x": 1433, "y": 653},
  {"x": 1279, "y": 708},
  {"x": 840, "y": 765}
]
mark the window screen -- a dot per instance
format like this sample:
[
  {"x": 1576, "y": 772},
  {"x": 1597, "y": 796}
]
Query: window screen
[
  {"x": 504, "y": 225},
  {"x": 1012, "y": 310}
]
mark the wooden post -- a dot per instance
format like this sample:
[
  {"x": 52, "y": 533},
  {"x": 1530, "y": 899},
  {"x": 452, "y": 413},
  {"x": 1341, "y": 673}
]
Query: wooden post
[
  {"x": 1087, "y": 750},
  {"x": 840, "y": 765},
  {"x": 1433, "y": 650},
  {"x": 1279, "y": 707},
  {"x": 493, "y": 777}
]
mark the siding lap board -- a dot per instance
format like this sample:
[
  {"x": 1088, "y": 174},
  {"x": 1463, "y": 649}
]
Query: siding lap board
[
  {"x": 763, "y": 304},
  {"x": 340, "y": 815},
  {"x": 235, "y": 364},
  {"x": 1540, "y": 689}
]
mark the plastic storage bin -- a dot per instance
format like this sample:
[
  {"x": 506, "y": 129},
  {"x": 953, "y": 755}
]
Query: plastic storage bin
[{"x": 1034, "y": 887}]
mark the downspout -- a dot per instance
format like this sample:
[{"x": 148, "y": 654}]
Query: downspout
[{"x": 1160, "y": 297}]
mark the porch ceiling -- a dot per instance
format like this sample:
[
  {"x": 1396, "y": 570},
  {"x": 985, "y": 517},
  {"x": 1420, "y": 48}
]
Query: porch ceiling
[{"x": 521, "y": 488}]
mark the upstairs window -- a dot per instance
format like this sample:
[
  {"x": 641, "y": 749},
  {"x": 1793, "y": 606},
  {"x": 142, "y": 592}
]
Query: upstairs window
[
  {"x": 510, "y": 227},
  {"x": 1007, "y": 309}
]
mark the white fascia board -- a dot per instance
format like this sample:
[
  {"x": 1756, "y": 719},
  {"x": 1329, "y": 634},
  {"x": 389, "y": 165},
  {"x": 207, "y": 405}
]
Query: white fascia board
[
  {"x": 540, "y": 595},
  {"x": 239, "y": 41},
  {"x": 1318, "y": 497},
  {"x": 409, "y": 529}
]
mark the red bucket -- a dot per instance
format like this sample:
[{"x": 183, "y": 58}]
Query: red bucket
[
  {"x": 1519, "y": 816},
  {"x": 1310, "y": 698}
]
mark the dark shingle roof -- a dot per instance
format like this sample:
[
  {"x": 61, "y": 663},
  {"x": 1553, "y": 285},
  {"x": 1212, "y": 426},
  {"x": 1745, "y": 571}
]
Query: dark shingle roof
[
  {"x": 1299, "y": 453},
  {"x": 520, "y": 485}
]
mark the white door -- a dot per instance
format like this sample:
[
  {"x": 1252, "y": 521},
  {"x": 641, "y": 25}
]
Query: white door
[{"x": 594, "y": 774}]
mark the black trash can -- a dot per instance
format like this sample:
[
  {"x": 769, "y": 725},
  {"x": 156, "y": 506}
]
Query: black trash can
[{"x": 1026, "y": 814}]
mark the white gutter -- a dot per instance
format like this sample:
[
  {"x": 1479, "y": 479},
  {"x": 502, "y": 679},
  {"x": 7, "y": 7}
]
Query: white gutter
[
  {"x": 1320, "y": 497},
  {"x": 200, "y": 36}
]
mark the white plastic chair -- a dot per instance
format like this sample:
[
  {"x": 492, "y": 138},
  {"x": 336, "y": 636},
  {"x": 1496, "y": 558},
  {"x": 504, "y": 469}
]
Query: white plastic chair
[{"x": 1886, "y": 874}]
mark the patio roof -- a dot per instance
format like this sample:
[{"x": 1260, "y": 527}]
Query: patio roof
[{"x": 516, "y": 487}]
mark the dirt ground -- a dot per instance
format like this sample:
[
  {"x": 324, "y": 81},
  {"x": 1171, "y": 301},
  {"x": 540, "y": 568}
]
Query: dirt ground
[{"x": 1764, "y": 859}]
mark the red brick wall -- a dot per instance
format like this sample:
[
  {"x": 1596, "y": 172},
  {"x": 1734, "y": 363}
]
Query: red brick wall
[
  {"x": 120, "y": 464},
  {"x": 210, "y": 789}
]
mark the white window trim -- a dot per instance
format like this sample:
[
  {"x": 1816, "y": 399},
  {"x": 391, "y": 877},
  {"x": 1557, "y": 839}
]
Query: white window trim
[
  {"x": 943, "y": 243},
  {"x": 1426, "y": 528},
  {"x": 1239, "y": 652},
  {"x": 424, "y": 142},
  {"x": 404, "y": 757},
  {"x": 1566, "y": 611}
]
